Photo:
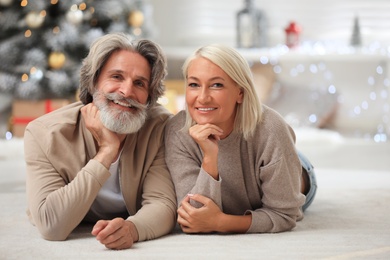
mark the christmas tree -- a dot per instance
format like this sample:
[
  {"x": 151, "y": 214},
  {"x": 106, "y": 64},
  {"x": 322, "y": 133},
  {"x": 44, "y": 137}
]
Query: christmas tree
[{"x": 42, "y": 42}]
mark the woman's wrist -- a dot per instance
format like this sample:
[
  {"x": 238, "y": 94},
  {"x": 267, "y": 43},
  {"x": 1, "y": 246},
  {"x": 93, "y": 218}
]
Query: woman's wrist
[
  {"x": 233, "y": 224},
  {"x": 210, "y": 165}
]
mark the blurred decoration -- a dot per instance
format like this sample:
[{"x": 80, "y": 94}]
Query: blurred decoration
[
  {"x": 5, "y": 2},
  {"x": 136, "y": 18},
  {"x": 56, "y": 60},
  {"x": 34, "y": 19},
  {"x": 311, "y": 105},
  {"x": 42, "y": 43},
  {"x": 342, "y": 90},
  {"x": 251, "y": 27},
  {"x": 356, "y": 38},
  {"x": 293, "y": 32}
]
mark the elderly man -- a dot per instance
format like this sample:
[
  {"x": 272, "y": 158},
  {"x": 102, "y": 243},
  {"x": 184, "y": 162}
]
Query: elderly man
[{"x": 101, "y": 160}]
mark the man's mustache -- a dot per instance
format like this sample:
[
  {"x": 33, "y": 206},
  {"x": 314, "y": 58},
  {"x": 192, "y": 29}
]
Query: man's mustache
[{"x": 128, "y": 101}]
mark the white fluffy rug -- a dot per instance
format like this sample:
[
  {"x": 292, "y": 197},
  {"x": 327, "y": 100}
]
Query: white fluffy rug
[{"x": 349, "y": 219}]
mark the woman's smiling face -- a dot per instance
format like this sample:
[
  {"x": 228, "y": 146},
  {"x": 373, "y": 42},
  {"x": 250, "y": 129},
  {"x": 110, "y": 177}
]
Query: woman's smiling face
[{"x": 211, "y": 95}]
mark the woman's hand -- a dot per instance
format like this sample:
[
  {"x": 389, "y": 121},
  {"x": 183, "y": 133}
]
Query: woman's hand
[
  {"x": 207, "y": 137},
  {"x": 107, "y": 141},
  {"x": 209, "y": 217},
  {"x": 199, "y": 220}
]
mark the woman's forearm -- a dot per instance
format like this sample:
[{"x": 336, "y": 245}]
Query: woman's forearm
[
  {"x": 210, "y": 165},
  {"x": 234, "y": 224}
]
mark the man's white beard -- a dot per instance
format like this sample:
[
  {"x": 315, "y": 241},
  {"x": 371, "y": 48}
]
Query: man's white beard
[{"x": 119, "y": 121}]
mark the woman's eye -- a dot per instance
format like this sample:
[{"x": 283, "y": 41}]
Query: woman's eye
[
  {"x": 217, "y": 85},
  {"x": 192, "y": 85}
]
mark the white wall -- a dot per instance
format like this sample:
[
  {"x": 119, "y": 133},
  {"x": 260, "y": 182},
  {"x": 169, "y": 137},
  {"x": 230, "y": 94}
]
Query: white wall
[
  {"x": 363, "y": 93},
  {"x": 197, "y": 22}
]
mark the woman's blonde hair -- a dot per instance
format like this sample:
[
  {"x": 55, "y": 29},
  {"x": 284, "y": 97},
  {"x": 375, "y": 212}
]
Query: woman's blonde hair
[{"x": 248, "y": 113}]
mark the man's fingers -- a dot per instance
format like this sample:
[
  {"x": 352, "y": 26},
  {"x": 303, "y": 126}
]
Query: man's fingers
[
  {"x": 116, "y": 234},
  {"x": 99, "y": 226},
  {"x": 118, "y": 245},
  {"x": 110, "y": 227}
]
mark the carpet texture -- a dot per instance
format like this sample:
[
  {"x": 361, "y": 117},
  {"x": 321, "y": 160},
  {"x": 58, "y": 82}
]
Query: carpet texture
[{"x": 349, "y": 219}]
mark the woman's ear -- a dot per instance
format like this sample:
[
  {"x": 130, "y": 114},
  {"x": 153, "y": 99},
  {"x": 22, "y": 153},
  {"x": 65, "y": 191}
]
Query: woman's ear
[{"x": 240, "y": 96}]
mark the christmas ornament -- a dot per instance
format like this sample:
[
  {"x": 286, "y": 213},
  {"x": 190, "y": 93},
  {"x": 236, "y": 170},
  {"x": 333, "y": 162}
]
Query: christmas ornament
[
  {"x": 53, "y": 36},
  {"x": 34, "y": 19},
  {"x": 6, "y": 2},
  {"x": 75, "y": 17},
  {"x": 136, "y": 18},
  {"x": 292, "y": 35},
  {"x": 56, "y": 60}
]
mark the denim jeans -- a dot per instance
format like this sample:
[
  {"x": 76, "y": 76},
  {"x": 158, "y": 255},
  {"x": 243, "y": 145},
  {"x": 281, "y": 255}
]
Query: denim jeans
[{"x": 308, "y": 167}]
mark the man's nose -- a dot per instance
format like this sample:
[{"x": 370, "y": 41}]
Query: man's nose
[{"x": 127, "y": 89}]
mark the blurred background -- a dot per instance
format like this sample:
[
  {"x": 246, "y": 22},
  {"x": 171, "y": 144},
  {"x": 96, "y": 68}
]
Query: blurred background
[{"x": 321, "y": 64}]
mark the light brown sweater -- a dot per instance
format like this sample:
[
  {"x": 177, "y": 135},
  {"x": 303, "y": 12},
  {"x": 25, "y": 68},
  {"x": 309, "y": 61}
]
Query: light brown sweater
[
  {"x": 63, "y": 179},
  {"x": 260, "y": 176}
]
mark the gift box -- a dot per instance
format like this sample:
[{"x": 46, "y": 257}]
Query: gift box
[{"x": 24, "y": 111}]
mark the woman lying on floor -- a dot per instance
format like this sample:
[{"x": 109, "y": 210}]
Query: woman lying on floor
[{"x": 233, "y": 160}]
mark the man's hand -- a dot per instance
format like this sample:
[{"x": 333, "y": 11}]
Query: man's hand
[
  {"x": 115, "y": 234},
  {"x": 108, "y": 142}
]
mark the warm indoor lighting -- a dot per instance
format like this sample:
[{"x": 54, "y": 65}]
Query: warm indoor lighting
[
  {"x": 24, "y": 77},
  {"x": 56, "y": 30},
  {"x": 73, "y": 8},
  {"x": 137, "y": 31},
  {"x": 82, "y": 6},
  {"x": 27, "y": 33}
]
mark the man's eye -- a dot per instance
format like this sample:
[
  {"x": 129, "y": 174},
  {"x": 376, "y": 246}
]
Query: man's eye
[{"x": 140, "y": 83}]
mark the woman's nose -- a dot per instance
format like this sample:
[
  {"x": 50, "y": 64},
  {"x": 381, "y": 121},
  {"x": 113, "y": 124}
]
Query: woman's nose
[{"x": 204, "y": 95}]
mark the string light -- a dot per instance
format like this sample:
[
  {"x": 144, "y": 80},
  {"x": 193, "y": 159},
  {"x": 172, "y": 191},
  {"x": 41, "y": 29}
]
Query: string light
[
  {"x": 27, "y": 33},
  {"x": 82, "y": 6},
  {"x": 56, "y": 30},
  {"x": 24, "y": 77}
]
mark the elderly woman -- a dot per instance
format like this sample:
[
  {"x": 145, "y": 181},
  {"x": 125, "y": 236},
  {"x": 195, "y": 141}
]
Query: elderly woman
[{"x": 233, "y": 161}]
